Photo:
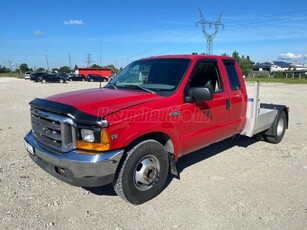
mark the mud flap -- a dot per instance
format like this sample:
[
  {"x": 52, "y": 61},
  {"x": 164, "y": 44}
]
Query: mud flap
[{"x": 172, "y": 164}]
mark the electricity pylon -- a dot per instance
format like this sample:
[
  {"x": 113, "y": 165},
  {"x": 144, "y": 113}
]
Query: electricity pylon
[
  {"x": 210, "y": 37},
  {"x": 89, "y": 60}
]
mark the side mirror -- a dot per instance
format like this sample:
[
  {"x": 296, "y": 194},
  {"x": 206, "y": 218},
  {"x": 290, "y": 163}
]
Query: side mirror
[{"x": 199, "y": 94}]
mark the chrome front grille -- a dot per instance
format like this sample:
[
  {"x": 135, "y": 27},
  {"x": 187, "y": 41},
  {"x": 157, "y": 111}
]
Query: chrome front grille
[{"x": 53, "y": 131}]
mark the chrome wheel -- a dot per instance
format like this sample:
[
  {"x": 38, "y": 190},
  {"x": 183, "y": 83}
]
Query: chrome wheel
[
  {"x": 146, "y": 173},
  {"x": 280, "y": 126}
]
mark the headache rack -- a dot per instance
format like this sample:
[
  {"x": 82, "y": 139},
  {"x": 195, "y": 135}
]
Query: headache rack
[{"x": 55, "y": 132}]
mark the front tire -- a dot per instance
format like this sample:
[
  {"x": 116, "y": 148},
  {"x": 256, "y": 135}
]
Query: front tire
[{"x": 143, "y": 173}]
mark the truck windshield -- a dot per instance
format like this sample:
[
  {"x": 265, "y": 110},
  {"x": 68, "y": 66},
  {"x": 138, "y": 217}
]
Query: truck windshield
[{"x": 161, "y": 76}]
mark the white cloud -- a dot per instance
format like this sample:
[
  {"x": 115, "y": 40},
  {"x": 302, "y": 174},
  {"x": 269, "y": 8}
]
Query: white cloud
[
  {"x": 290, "y": 56},
  {"x": 74, "y": 22},
  {"x": 38, "y": 32},
  {"x": 305, "y": 56}
]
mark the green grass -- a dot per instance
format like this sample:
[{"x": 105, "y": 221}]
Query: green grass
[
  {"x": 278, "y": 80},
  {"x": 17, "y": 75}
]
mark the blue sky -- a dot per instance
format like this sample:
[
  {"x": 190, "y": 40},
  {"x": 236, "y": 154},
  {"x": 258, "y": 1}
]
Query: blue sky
[{"x": 122, "y": 31}]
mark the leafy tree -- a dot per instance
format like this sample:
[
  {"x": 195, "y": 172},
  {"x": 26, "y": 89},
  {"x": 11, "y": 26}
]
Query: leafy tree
[
  {"x": 4, "y": 70},
  {"x": 24, "y": 67},
  {"x": 245, "y": 63},
  {"x": 64, "y": 69},
  {"x": 236, "y": 56},
  {"x": 113, "y": 69},
  {"x": 95, "y": 66},
  {"x": 39, "y": 70}
]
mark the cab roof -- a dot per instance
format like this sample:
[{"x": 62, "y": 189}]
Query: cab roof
[{"x": 191, "y": 56}]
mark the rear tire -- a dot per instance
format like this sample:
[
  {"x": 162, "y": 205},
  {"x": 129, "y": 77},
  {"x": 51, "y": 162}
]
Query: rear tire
[
  {"x": 43, "y": 81},
  {"x": 279, "y": 129},
  {"x": 143, "y": 173}
]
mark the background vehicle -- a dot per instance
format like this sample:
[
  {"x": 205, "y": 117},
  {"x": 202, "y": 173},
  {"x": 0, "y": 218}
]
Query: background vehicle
[
  {"x": 132, "y": 131},
  {"x": 52, "y": 78},
  {"x": 34, "y": 76},
  {"x": 63, "y": 75},
  {"x": 96, "y": 77},
  {"x": 27, "y": 75},
  {"x": 76, "y": 77}
]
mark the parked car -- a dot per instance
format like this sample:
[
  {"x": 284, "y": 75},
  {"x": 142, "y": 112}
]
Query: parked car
[
  {"x": 27, "y": 75},
  {"x": 63, "y": 75},
  {"x": 96, "y": 77},
  {"x": 76, "y": 77},
  {"x": 34, "y": 76},
  {"x": 52, "y": 78}
]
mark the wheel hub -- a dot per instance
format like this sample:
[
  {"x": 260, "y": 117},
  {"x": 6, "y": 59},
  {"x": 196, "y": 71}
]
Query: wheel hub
[{"x": 146, "y": 173}]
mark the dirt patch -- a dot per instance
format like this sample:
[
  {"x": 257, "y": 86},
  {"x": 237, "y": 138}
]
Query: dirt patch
[{"x": 234, "y": 184}]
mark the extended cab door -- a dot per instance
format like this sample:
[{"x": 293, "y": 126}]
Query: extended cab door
[
  {"x": 237, "y": 96},
  {"x": 206, "y": 122}
]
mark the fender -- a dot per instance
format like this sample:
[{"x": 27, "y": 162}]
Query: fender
[
  {"x": 130, "y": 132},
  {"x": 271, "y": 131}
]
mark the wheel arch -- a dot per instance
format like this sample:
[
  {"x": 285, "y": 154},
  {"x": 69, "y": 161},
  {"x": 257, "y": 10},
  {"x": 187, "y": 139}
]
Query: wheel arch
[{"x": 164, "y": 139}]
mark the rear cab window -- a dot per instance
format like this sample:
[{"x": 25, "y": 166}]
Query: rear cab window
[{"x": 232, "y": 74}]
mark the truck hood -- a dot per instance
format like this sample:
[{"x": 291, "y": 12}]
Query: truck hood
[{"x": 101, "y": 102}]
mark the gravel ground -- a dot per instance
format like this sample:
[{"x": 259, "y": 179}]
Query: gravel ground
[{"x": 235, "y": 184}]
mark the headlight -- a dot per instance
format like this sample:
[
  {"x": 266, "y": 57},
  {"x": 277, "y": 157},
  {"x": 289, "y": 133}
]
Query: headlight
[
  {"x": 93, "y": 140},
  {"x": 87, "y": 135}
]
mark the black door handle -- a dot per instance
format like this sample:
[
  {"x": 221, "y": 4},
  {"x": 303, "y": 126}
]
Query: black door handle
[{"x": 227, "y": 104}]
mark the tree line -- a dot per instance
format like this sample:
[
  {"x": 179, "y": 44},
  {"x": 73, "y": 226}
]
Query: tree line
[
  {"x": 64, "y": 69},
  {"x": 245, "y": 63}
]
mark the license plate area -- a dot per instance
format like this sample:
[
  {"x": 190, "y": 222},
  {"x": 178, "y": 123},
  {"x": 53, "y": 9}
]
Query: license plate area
[{"x": 29, "y": 148}]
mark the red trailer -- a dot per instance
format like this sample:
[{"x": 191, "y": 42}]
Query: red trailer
[{"x": 101, "y": 71}]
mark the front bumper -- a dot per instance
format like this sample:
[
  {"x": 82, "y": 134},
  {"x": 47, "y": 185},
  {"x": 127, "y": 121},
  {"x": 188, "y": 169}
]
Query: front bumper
[{"x": 76, "y": 168}]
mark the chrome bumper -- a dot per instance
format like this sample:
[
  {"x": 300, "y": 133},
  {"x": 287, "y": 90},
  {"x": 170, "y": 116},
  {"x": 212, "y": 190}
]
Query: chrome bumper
[{"x": 85, "y": 170}]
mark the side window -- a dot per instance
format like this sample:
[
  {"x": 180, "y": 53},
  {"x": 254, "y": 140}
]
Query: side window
[
  {"x": 232, "y": 75},
  {"x": 206, "y": 74}
]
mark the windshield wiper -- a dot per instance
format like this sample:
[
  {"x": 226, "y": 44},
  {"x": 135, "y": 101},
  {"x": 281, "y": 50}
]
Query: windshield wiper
[
  {"x": 114, "y": 86},
  {"x": 140, "y": 87}
]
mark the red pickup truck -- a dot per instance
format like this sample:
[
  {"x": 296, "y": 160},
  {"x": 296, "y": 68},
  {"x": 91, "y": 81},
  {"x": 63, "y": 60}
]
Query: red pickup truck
[{"x": 132, "y": 131}]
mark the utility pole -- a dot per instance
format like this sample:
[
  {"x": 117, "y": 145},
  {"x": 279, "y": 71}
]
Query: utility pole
[
  {"x": 69, "y": 60},
  {"x": 210, "y": 37},
  {"x": 89, "y": 60},
  {"x": 11, "y": 65},
  {"x": 47, "y": 63},
  {"x": 100, "y": 54}
]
